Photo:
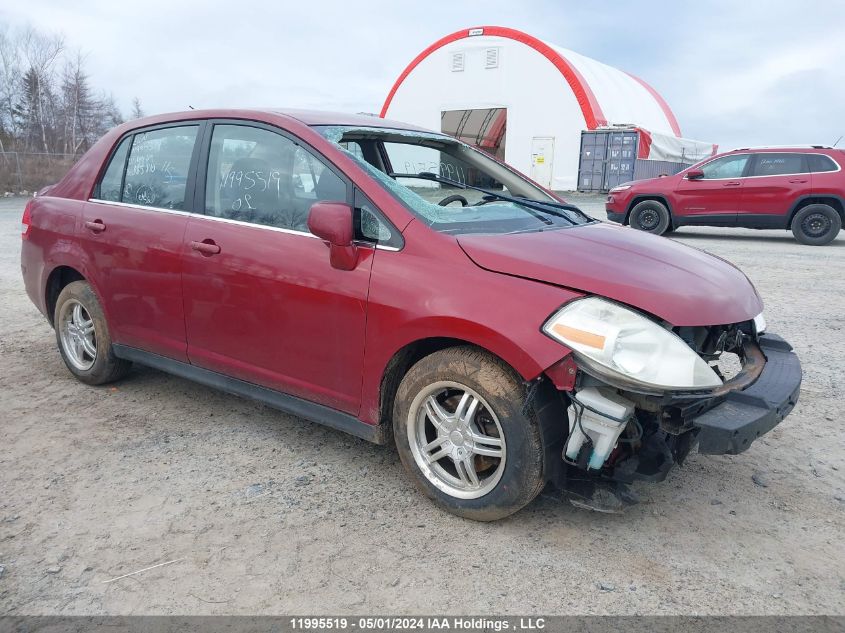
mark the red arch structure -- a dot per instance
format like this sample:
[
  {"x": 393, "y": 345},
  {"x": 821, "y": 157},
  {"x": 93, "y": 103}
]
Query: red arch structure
[
  {"x": 590, "y": 108},
  {"x": 667, "y": 111}
]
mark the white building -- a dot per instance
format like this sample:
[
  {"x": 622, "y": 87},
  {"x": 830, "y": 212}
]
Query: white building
[{"x": 523, "y": 99}]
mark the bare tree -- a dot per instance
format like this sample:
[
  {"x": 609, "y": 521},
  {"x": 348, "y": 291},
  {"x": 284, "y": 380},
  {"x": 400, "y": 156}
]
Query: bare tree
[
  {"x": 40, "y": 53},
  {"x": 78, "y": 107},
  {"x": 137, "y": 111},
  {"x": 47, "y": 103},
  {"x": 10, "y": 84}
]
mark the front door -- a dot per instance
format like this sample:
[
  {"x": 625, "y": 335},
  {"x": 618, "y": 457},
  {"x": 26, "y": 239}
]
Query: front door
[
  {"x": 716, "y": 198},
  {"x": 262, "y": 301},
  {"x": 542, "y": 160},
  {"x": 132, "y": 230}
]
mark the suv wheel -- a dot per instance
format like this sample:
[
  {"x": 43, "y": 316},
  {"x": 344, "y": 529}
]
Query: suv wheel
[
  {"x": 816, "y": 224},
  {"x": 83, "y": 337},
  {"x": 650, "y": 216},
  {"x": 461, "y": 434}
]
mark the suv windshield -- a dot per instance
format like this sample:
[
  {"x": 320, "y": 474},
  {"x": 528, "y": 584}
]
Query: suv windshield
[{"x": 451, "y": 186}]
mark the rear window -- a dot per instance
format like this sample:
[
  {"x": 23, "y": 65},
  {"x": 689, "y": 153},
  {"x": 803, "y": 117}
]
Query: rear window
[
  {"x": 820, "y": 162},
  {"x": 778, "y": 164}
]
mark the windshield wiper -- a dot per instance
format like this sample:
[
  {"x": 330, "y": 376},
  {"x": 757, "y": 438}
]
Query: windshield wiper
[{"x": 543, "y": 207}]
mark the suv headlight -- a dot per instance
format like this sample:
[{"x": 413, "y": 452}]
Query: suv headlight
[
  {"x": 619, "y": 188},
  {"x": 622, "y": 344}
]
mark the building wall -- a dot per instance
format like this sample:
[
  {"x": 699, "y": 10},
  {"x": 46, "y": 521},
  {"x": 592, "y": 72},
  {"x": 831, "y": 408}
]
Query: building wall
[{"x": 539, "y": 101}]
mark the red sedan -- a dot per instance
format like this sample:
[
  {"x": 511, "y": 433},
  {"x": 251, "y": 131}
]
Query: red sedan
[{"x": 397, "y": 283}]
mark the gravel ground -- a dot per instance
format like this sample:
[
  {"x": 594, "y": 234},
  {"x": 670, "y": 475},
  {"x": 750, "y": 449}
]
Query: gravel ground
[{"x": 264, "y": 513}]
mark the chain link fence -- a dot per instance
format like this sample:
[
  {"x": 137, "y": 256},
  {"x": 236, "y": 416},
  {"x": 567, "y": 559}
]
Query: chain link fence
[{"x": 22, "y": 173}]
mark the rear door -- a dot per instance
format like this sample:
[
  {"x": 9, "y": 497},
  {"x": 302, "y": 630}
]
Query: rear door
[
  {"x": 776, "y": 180},
  {"x": 716, "y": 198},
  {"x": 132, "y": 233},
  {"x": 262, "y": 301}
]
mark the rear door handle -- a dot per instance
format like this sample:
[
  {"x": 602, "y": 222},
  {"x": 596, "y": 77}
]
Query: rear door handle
[
  {"x": 733, "y": 183},
  {"x": 206, "y": 247},
  {"x": 798, "y": 180},
  {"x": 95, "y": 226}
]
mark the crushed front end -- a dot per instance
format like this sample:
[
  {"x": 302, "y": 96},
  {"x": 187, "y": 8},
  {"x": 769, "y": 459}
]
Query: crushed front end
[{"x": 626, "y": 424}]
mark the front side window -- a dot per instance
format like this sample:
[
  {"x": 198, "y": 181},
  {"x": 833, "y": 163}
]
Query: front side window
[
  {"x": 157, "y": 171},
  {"x": 778, "y": 164},
  {"x": 261, "y": 177},
  {"x": 725, "y": 167}
]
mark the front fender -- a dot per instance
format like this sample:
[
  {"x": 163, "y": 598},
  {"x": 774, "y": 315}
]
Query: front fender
[{"x": 414, "y": 297}]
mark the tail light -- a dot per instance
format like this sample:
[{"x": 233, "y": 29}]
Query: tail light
[{"x": 26, "y": 221}]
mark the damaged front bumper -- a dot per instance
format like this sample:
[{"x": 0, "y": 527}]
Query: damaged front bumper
[
  {"x": 730, "y": 427},
  {"x": 666, "y": 427}
]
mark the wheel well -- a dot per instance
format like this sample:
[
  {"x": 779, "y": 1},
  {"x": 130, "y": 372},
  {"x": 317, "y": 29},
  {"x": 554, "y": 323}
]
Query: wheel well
[
  {"x": 548, "y": 403},
  {"x": 643, "y": 198},
  {"x": 399, "y": 365},
  {"x": 58, "y": 279},
  {"x": 836, "y": 203}
]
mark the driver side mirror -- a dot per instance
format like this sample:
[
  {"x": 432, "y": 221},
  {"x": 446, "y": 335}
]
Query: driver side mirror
[
  {"x": 332, "y": 222},
  {"x": 695, "y": 174}
]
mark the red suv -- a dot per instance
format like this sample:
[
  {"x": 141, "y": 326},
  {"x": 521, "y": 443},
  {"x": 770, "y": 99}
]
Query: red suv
[
  {"x": 797, "y": 188},
  {"x": 396, "y": 283}
]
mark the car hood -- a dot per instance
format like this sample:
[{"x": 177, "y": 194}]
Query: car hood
[{"x": 680, "y": 284}]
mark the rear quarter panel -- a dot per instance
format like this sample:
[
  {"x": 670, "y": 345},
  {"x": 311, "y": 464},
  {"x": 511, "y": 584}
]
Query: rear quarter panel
[{"x": 52, "y": 243}]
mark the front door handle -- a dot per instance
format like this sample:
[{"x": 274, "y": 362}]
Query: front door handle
[
  {"x": 206, "y": 247},
  {"x": 733, "y": 183},
  {"x": 798, "y": 180},
  {"x": 95, "y": 226}
]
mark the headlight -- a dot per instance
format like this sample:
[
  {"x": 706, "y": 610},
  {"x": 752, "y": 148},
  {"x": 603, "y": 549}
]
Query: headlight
[
  {"x": 620, "y": 188},
  {"x": 622, "y": 344}
]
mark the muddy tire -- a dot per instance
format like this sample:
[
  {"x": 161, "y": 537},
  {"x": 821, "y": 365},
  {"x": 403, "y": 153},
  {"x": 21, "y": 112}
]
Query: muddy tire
[
  {"x": 462, "y": 436},
  {"x": 816, "y": 224},
  {"x": 83, "y": 336},
  {"x": 650, "y": 216}
]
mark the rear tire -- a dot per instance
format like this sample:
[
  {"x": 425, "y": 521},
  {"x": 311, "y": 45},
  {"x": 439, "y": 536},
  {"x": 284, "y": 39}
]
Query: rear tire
[
  {"x": 816, "y": 224},
  {"x": 83, "y": 336},
  {"x": 650, "y": 216},
  {"x": 462, "y": 436}
]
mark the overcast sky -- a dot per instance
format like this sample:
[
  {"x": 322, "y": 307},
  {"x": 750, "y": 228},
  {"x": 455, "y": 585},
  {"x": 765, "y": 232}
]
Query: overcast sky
[{"x": 735, "y": 73}]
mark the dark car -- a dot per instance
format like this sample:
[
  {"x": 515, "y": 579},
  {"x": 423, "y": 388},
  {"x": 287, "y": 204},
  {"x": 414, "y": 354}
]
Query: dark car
[
  {"x": 348, "y": 269},
  {"x": 797, "y": 188}
]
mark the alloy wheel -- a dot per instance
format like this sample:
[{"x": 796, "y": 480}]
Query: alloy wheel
[
  {"x": 456, "y": 440},
  {"x": 76, "y": 330}
]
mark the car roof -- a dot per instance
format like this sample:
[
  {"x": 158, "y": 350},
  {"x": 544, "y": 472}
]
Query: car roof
[
  {"x": 782, "y": 148},
  {"x": 306, "y": 117},
  {"x": 326, "y": 117}
]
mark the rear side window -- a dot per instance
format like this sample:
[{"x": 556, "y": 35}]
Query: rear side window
[
  {"x": 112, "y": 183},
  {"x": 258, "y": 176},
  {"x": 725, "y": 167},
  {"x": 157, "y": 171},
  {"x": 778, "y": 164},
  {"x": 820, "y": 162}
]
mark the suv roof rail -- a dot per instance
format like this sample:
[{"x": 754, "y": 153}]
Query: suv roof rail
[{"x": 738, "y": 149}]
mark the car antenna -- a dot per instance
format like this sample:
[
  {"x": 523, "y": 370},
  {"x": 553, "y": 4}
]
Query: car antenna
[
  {"x": 190, "y": 107},
  {"x": 837, "y": 141}
]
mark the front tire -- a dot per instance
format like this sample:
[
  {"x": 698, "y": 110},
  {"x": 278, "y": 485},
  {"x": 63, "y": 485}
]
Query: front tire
[
  {"x": 83, "y": 336},
  {"x": 650, "y": 216},
  {"x": 462, "y": 436},
  {"x": 816, "y": 224}
]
